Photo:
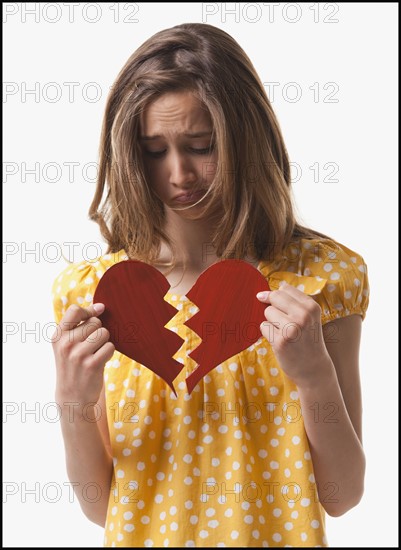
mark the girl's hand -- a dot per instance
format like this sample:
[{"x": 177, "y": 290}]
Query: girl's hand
[
  {"x": 81, "y": 349},
  {"x": 294, "y": 329}
]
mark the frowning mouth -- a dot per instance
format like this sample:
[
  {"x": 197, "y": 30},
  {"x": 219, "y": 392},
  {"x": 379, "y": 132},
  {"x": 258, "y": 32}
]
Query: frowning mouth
[{"x": 189, "y": 197}]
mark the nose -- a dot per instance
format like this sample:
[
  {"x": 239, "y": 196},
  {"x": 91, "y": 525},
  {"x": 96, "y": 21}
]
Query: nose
[{"x": 182, "y": 172}]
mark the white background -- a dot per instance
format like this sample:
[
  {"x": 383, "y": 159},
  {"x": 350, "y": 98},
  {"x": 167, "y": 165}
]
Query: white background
[{"x": 357, "y": 133}]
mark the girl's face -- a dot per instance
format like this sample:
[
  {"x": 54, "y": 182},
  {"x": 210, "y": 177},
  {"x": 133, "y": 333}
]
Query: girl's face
[{"x": 178, "y": 152}]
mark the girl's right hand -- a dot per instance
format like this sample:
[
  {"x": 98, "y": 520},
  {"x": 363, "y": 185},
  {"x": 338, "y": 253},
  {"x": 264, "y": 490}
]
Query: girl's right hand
[{"x": 81, "y": 348}]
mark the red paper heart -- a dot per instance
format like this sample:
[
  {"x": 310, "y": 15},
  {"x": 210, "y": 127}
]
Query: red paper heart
[
  {"x": 135, "y": 316},
  {"x": 228, "y": 319}
]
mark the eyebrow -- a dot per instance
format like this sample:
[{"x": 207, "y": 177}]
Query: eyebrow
[{"x": 190, "y": 135}]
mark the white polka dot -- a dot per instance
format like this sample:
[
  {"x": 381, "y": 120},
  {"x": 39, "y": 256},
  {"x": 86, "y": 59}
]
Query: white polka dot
[
  {"x": 174, "y": 526},
  {"x": 335, "y": 276},
  {"x": 276, "y": 537},
  {"x": 248, "y": 519},
  {"x": 234, "y": 535},
  {"x": 288, "y": 526},
  {"x": 327, "y": 267},
  {"x": 314, "y": 523},
  {"x": 296, "y": 440},
  {"x": 305, "y": 502},
  {"x": 129, "y": 527}
]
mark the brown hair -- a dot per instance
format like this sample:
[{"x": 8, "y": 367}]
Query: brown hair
[{"x": 252, "y": 183}]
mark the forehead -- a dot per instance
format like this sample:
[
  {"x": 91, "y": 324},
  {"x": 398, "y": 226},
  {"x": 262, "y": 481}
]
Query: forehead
[{"x": 176, "y": 110}]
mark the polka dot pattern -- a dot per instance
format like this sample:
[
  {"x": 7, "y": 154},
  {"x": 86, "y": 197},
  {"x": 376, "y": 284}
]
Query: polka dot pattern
[{"x": 230, "y": 464}]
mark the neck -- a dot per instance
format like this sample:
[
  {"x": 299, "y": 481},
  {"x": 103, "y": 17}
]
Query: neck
[{"x": 192, "y": 239}]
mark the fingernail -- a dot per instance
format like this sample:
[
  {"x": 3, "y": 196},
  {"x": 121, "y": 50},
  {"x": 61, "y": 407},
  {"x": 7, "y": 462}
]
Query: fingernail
[
  {"x": 99, "y": 308},
  {"x": 263, "y": 295}
]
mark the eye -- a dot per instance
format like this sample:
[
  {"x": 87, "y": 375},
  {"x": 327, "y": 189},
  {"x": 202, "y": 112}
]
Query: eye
[{"x": 203, "y": 151}]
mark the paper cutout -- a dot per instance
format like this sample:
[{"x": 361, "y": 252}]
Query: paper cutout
[
  {"x": 228, "y": 320},
  {"x": 135, "y": 316},
  {"x": 229, "y": 316}
]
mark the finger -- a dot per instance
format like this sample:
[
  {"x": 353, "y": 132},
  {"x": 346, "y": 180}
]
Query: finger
[
  {"x": 105, "y": 353},
  {"x": 283, "y": 301},
  {"x": 297, "y": 293},
  {"x": 75, "y": 315},
  {"x": 85, "y": 331},
  {"x": 95, "y": 341}
]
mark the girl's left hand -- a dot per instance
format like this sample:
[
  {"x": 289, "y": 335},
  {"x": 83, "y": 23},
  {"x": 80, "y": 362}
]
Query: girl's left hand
[{"x": 294, "y": 329}]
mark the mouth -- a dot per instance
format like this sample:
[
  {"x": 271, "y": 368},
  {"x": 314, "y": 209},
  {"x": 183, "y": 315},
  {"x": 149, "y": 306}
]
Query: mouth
[{"x": 184, "y": 198}]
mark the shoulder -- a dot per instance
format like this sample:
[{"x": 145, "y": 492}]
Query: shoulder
[
  {"x": 77, "y": 282},
  {"x": 336, "y": 275}
]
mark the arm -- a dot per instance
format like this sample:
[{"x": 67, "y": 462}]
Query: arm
[
  {"x": 327, "y": 377},
  {"x": 336, "y": 439},
  {"x": 88, "y": 457},
  {"x": 81, "y": 349}
]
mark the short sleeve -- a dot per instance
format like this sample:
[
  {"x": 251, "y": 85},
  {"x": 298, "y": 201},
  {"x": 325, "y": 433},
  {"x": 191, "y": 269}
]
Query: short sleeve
[
  {"x": 76, "y": 284},
  {"x": 346, "y": 291}
]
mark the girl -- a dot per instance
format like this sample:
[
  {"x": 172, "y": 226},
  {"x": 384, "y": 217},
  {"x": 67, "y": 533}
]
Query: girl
[{"x": 193, "y": 169}]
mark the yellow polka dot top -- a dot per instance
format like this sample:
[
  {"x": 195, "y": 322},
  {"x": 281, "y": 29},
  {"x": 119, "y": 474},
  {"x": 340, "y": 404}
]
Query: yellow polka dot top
[{"x": 228, "y": 465}]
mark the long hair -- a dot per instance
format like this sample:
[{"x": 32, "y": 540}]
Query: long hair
[{"x": 252, "y": 184}]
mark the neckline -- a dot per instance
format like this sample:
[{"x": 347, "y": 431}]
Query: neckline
[{"x": 179, "y": 296}]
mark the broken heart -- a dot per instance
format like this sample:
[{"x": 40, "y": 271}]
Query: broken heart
[{"x": 136, "y": 313}]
